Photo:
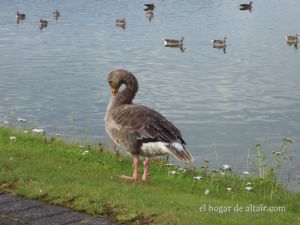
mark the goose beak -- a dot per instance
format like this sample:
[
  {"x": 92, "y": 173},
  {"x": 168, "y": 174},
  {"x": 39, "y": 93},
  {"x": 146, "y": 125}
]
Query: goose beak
[{"x": 114, "y": 91}]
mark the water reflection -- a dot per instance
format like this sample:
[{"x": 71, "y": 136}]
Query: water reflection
[
  {"x": 180, "y": 47},
  {"x": 221, "y": 48},
  {"x": 149, "y": 15},
  {"x": 295, "y": 45}
]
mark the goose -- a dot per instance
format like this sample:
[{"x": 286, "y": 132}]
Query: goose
[
  {"x": 292, "y": 38},
  {"x": 139, "y": 129},
  {"x": 219, "y": 43},
  {"x": 173, "y": 42},
  {"x": 246, "y": 6},
  {"x": 149, "y": 6},
  {"x": 121, "y": 22},
  {"x": 20, "y": 16},
  {"x": 43, "y": 23},
  {"x": 56, "y": 13}
]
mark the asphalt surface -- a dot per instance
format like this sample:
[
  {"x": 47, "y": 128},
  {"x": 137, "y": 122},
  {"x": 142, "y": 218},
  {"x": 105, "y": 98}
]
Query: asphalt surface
[{"x": 15, "y": 210}]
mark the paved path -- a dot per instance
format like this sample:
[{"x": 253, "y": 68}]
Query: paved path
[{"x": 15, "y": 210}]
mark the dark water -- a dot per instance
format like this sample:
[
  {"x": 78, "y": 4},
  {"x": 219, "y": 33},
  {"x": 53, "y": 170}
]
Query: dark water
[{"x": 224, "y": 104}]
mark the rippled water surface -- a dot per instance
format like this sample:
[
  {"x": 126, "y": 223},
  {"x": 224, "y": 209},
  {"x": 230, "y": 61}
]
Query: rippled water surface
[{"x": 224, "y": 104}]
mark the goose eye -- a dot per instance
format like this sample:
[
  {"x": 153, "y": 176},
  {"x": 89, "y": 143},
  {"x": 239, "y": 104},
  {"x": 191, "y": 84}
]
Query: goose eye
[{"x": 109, "y": 82}]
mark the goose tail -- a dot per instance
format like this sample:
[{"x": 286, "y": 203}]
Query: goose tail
[{"x": 180, "y": 152}]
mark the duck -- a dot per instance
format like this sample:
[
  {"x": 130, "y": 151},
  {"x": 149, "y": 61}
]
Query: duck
[
  {"x": 149, "y": 6},
  {"x": 173, "y": 42},
  {"x": 246, "y": 6},
  {"x": 292, "y": 38},
  {"x": 56, "y": 13},
  {"x": 121, "y": 22},
  {"x": 20, "y": 16},
  {"x": 219, "y": 43},
  {"x": 141, "y": 131}
]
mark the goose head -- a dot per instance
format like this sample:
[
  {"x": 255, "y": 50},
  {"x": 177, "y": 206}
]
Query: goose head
[
  {"x": 115, "y": 81},
  {"x": 119, "y": 77}
]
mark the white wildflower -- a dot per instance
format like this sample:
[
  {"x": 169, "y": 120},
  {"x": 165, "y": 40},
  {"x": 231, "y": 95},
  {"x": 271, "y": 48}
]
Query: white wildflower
[
  {"x": 246, "y": 172},
  {"x": 182, "y": 170},
  {"x": 173, "y": 172},
  {"x": 229, "y": 189},
  {"x": 248, "y": 188},
  {"x": 39, "y": 131},
  {"x": 226, "y": 167},
  {"x": 169, "y": 164},
  {"x": 197, "y": 178},
  {"x": 13, "y": 138},
  {"x": 85, "y": 152},
  {"x": 206, "y": 192},
  {"x": 248, "y": 184}
]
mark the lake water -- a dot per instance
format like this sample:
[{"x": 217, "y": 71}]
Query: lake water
[{"x": 224, "y": 104}]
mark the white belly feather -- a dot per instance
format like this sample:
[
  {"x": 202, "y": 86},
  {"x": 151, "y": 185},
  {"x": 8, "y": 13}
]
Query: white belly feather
[{"x": 159, "y": 148}]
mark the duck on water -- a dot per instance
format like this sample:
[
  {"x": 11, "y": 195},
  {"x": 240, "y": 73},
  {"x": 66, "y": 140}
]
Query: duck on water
[{"x": 139, "y": 129}]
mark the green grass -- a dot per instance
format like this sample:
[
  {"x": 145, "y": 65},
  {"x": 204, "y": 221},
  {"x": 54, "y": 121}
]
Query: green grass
[{"x": 59, "y": 173}]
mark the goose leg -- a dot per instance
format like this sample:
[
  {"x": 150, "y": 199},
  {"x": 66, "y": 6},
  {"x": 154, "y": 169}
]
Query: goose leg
[
  {"x": 135, "y": 176},
  {"x": 146, "y": 168}
]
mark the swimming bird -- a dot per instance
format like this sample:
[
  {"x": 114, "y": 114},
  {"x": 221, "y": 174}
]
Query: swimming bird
[
  {"x": 246, "y": 6},
  {"x": 20, "y": 16},
  {"x": 56, "y": 13},
  {"x": 292, "y": 38},
  {"x": 139, "y": 129},
  {"x": 173, "y": 42},
  {"x": 43, "y": 23},
  {"x": 150, "y": 6},
  {"x": 121, "y": 22},
  {"x": 219, "y": 43}
]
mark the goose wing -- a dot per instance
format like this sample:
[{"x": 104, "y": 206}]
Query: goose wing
[
  {"x": 174, "y": 41},
  {"x": 134, "y": 125}
]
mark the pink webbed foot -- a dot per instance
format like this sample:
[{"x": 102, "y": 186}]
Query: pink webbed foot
[
  {"x": 124, "y": 177},
  {"x": 135, "y": 176}
]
